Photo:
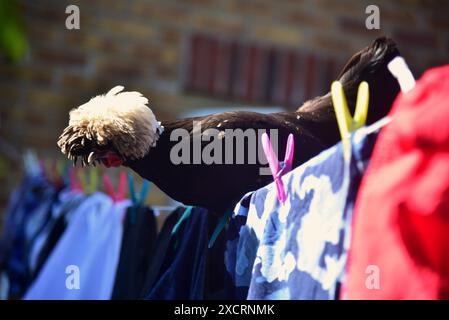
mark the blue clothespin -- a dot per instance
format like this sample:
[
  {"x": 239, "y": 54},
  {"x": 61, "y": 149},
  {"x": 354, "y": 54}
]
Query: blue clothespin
[
  {"x": 65, "y": 173},
  {"x": 184, "y": 217},
  {"x": 137, "y": 201},
  {"x": 143, "y": 192},
  {"x": 132, "y": 191},
  {"x": 221, "y": 225}
]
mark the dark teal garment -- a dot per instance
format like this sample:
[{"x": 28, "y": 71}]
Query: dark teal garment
[{"x": 182, "y": 273}]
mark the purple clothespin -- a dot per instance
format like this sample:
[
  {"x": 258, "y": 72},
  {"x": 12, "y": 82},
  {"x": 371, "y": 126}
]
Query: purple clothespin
[{"x": 278, "y": 169}]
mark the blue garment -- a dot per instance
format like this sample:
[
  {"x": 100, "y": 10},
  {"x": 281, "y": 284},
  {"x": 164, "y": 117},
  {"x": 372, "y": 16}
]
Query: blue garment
[
  {"x": 27, "y": 213},
  {"x": 183, "y": 270},
  {"x": 298, "y": 250},
  {"x": 239, "y": 255}
]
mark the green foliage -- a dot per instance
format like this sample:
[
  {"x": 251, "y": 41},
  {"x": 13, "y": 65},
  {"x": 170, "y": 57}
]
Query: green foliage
[{"x": 13, "y": 41}]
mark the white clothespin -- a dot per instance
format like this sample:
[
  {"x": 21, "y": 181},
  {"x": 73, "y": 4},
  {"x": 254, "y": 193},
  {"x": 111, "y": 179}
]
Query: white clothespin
[{"x": 398, "y": 67}]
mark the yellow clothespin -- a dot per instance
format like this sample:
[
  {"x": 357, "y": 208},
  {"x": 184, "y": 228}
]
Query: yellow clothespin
[
  {"x": 347, "y": 124},
  {"x": 93, "y": 180}
]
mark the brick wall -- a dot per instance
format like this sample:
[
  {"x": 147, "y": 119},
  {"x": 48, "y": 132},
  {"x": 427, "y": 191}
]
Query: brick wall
[{"x": 144, "y": 46}]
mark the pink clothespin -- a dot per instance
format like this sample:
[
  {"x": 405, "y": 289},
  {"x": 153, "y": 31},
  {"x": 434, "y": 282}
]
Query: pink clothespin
[
  {"x": 120, "y": 195},
  {"x": 278, "y": 169}
]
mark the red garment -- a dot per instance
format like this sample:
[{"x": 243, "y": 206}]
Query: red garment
[{"x": 401, "y": 216}]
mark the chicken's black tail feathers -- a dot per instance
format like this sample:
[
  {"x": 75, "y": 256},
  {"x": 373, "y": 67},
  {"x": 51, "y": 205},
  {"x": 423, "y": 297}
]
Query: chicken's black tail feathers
[{"x": 370, "y": 65}]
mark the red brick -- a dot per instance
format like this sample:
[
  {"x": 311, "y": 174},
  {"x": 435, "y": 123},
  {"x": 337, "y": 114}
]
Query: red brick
[
  {"x": 63, "y": 57},
  {"x": 327, "y": 43},
  {"x": 440, "y": 22},
  {"x": 48, "y": 13},
  {"x": 337, "y": 8},
  {"x": 114, "y": 7},
  {"x": 307, "y": 19},
  {"x": 310, "y": 76},
  {"x": 125, "y": 29},
  {"x": 160, "y": 12},
  {"x": 250, "y": 8},
  {"x": 101, "y": 44},
  {"x": 201, "y": 3},
  {"x": 275, "y": 34},
  {"x": 46, "y": 99},
  {"x": 43, "y": 32},
  {"x": 167, "y": 72},
  {"x": 77, "y": 82},
  {"x": 171, "y": 36},
  {"x": 397, "y": 15},
  {"x": 416, "y": 39},
  {"x": 37, "y": 76},
  {"x": 357, "y": 26},
  {"x": 9, "y": 72},
  {"x": 145, "y": 52},
  {"x": 120, "y": 69},
  {"x": 230, "y": 25}
]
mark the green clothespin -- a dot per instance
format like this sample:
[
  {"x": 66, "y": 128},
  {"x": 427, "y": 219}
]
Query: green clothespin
[{"x": 91, "y": 186}]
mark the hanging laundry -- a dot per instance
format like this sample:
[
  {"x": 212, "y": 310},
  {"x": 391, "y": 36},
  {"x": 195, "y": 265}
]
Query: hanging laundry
[
  {"x": 160, "y": 251},
  {"x": 88, "y": 251},
  {"x": 298, "y": 250},
  {"x": 137, "y": 251},
  {"x": 183, "y": 269},
  {"x": 215, "y": 282},
  {"x": 401, "y": 218},
  {"x": 76, "y": 246},
  {"x": 240, "y": 252},
  {"x": 27, "y": 212}
]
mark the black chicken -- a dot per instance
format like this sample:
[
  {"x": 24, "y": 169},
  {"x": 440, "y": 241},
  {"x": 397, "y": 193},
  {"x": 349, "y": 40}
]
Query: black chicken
[{"x": 119, "y": 129}]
